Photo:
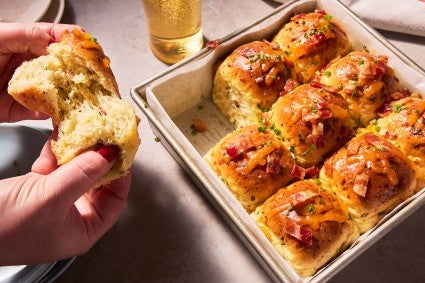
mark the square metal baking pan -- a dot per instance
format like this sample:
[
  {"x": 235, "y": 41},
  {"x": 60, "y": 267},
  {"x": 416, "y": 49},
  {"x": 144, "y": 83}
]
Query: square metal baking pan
[{"x": 173, "y": 98}]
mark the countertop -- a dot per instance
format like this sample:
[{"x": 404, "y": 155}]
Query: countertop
[{"x": 168, "y": 231}]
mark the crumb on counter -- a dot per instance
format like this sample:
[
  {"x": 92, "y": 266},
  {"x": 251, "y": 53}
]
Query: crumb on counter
[{"x": 198, "y": 126}]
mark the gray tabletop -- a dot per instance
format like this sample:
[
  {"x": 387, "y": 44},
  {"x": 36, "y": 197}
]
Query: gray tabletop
[{"x": 168, "y": 231}]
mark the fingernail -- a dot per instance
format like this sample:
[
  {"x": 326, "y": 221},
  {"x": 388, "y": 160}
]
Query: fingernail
[{"x": 109, "y": 152}]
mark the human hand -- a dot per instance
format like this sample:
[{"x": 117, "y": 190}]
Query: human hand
[
  {"x": 51, "y": 214},
  {"x": 19, "y": 43}
]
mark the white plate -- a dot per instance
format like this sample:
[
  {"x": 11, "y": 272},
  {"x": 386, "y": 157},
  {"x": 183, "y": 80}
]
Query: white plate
[
  {"x": 20, "y": 146},
  {"x": 22, "y": 11},
  {"x": 54, "y": 13}
]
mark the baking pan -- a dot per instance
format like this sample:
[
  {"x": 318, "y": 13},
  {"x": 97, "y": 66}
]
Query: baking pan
[{"x": 173, "y": 98}]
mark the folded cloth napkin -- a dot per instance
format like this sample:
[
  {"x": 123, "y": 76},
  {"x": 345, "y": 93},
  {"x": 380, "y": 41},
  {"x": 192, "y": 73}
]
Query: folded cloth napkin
[{"x": 407, "y": 16}]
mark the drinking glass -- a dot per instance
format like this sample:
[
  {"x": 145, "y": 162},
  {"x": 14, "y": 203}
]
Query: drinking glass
[{"x": 174, "y": 28}]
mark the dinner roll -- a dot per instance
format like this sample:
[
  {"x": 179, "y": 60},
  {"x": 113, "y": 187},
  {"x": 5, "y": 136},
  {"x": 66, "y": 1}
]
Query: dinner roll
[
  {"x": 250, "y": 80},
  {"x": 312, "y": 40},
  {"x": 75, "y": 86},
  {"x": 253, "y": 164},
  {"x": 364, "y": 80},
  {"x": 311, "y": 122},
  {"x": 307, "y": 224},
  {"x": 371, "y": 176},
  {"x": 403, "y": 124}
]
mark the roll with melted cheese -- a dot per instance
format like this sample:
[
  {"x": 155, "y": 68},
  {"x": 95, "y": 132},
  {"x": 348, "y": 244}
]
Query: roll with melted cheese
[
  {"x": 311, "y": 122},
  {"x": 250, "y": 80},
  {"x": 371, "y": 176},
  {"x": 311, "y": 41},
  {"x": 403, "y": 124},
  {"x": 307, "y": 224},
  {"x": 253, "y": 164},
  {"x": 364, "y": 80}
]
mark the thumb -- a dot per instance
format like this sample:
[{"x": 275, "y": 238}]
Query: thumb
[{"x": 76, "y": 177}]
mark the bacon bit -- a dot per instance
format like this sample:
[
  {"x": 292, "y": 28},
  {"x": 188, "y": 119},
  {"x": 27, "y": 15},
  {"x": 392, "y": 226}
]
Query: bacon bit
[
  {"x": 360, "y": 183},
  {"x": 243, "y": 144},
  {"x": 106, "y": 62},
  {"x": 315, "y": 83},
  {"x": 213, "y": 43},
  {"x": 298, "y": 16},
  {"x": 405, "y": 92},
  {"x": 258, "y": 80},
  {"x": 312, "y": 171},
  {"x": 353, "y": 149},
  {"x": 387, "y": 135},
  {"x": 232, "y": 151},
  {"x": 372, "y": 139},
  {"x": 301, "y": 197},
  {"x": 298, "y": 172},
  {"x": 318, "y": 135},
  {"x": 272, "y": 74},
  {"x": 199, "y": 126},
  {"x": 381, "y": 67},
  {"x": 102, "y": 111},
  {"x": 290, "y": 85},
  {"x": 273, "y": 164},
  {"x": 301, "y": 172},
  {"x": 326, "y": 114},
  {"x": 317, "y": 111},
  {"x": 317, "y": 114},
  {"x": 302, "y": 233},
  {"x": 385, "y": 109},
  {"x": 321, "y": 104},
  {"x": 316, "y": 39},
  {"x": 283, "y": 92},
  {"x": 319, "y": 141},
  {"x": 379, "y": 145}
]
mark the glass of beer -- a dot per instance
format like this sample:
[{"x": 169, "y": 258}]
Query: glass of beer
[{"x": 174, "y": 28}]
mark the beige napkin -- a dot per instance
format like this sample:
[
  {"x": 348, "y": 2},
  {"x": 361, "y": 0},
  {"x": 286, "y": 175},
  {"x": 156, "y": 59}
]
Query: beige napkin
[{"x": 405, "y": 16}]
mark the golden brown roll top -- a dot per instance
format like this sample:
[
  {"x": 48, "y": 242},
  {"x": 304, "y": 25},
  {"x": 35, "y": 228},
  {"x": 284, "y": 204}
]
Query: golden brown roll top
[
  {"x": 403, "y": 124},
  {"x": 312, "y": 123},
  {"x": 371, "y": 176},
  {"x": 250, "y": 80},
  {"x": 312, "y": 40},
  {"x": 307, "y": 225},
  {"x": 253, "y": 164},
  {"x": 364, "y": 80}
]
